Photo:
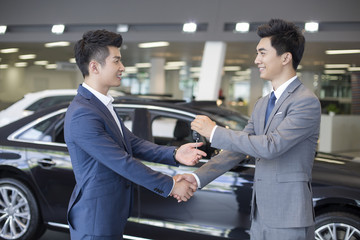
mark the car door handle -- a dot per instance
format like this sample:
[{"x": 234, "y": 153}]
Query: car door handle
[{"x": 46, "y": 162}]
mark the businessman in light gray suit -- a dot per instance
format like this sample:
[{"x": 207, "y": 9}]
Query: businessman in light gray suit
[{"x": 284, "y": 146}]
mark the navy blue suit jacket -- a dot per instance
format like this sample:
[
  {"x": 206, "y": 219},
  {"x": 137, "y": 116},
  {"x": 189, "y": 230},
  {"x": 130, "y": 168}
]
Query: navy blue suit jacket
[{"x": 105, "y": 168}]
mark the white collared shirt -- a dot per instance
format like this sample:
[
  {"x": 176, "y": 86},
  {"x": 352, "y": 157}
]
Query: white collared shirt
[{"x": 107, "y": 100}]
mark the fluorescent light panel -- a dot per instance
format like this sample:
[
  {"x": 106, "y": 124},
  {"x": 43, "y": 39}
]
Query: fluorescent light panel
[
  {"x": 334, "y": 71},
  {"x": 58, "y": 28},
  {"x": 153, "y": 44},
  {"x": 21, "y": 64},
  {"x": 232, "y": 68},
  {"x": 122, "y": 28},
  {"x": 57, "y": 44},
  {"x": 27, "y": 56},
  {"x": 9, "y": 50},
  {"x": 354, "y": 69},
  {"x": 41, "y": 63},
  {"x": 345, "y": 51},
  {"x": 3, "y": 29},
  {"x": 189, "y": 27},
  {"x": 311, "y": 26},
  {"x": 242, "y": 27},
  {"x": 337, "y": 65},
  {"x": 143, "y": 65},
  {"x": 4, "y": 66}
]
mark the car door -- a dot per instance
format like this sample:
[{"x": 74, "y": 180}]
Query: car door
[
  {"x": 49, "y": 164},
  {"x": 220, "y": 209}
]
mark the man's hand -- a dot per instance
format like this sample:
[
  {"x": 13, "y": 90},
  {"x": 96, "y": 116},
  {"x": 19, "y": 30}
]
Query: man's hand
[
  {"x": 185, "y": 177},
  {"x": 187, "y": 154},
  {"x": 183, "y": 190},
  {"x": 203, "y": 125}
]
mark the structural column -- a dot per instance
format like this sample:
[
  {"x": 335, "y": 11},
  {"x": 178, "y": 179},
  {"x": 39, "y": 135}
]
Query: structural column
[
  {"x": 211, "y": 71},
  {"x": 157, "y": 76}
]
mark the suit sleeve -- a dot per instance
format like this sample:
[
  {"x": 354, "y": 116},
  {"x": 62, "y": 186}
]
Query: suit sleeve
[
  {"x": 301, "y": 121},
  {"x": 88, "y": 132}
]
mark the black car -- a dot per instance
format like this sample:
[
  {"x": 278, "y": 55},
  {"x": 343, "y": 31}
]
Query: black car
[{"x": 36, "y": 179}]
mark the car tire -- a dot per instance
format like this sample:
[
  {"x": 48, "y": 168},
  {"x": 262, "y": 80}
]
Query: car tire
[
  {"x": 337, "y": 225},
  {"x": 19, "y": 212}
]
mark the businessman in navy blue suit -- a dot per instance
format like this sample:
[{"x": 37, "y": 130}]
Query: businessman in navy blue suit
[{"x": 103, "y": 150}]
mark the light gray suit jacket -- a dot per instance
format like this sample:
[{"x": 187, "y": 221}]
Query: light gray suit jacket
[{"x": 284, "y": 150}]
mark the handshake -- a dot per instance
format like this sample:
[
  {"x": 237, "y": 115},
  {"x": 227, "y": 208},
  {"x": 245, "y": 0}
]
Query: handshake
[{"x": 184, "y": 188}]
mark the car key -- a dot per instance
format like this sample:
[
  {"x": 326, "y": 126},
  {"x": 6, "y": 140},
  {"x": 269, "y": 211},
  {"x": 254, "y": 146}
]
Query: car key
[{"x": 196, "y": 137}]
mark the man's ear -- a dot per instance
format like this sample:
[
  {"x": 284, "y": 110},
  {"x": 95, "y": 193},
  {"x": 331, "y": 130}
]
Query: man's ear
[
  {"x": 93, "y": 67},
  {"x": 286, "y": 58}
]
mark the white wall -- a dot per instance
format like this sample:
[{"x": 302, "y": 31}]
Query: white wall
[{"x": 339, "y": 133}]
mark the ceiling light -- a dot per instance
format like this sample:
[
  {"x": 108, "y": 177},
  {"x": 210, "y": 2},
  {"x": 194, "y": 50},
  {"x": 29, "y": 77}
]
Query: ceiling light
[
  {"x": 51, "y": 66},
  {"x": 3, "y": 66},
  {"x": 337, "y": 65},
  {"x": 72, "y": 60},
  {"x": 354, "y": 69},
  {"x": 311, "y": 26},
  {"x": 334, "y": 71},
  {"x": 58, "y": 28},
  {"x": 176, "y": 64},
  {"x": 143, "y": 65},
  {"x": 242, "y": 27},
  {"x": 195, "y": 69},
  {"x": 189, "y": 27},
  {"x": 27, "y": 56},
  {"x": 9, "y": 50},
  {"x": 122, "y": 28},
  {"x": 232, "y": 68},
  {"x": 153, "y": 44},
  {"x": 21, "y": 64},
  {"x": 172, "y": 67},
  {"x": 41, "y": 63},
  {"x": 347, "y": 51},
  {"x": 57, "y": 44},
  {"x": 3, "y": 29},
  {"x": 131, "y": 69}
]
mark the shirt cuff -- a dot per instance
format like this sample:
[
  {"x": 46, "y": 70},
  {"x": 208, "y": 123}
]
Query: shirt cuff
[
  {"x": 197, "y": 180},
  {"x": 212, "y": 133},
  {"x": 172, "y": 187}
]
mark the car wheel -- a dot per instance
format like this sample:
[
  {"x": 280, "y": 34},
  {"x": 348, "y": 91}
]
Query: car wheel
[
  {"x": 337, "y": 226},
  {"x": 19, "y": 213}
]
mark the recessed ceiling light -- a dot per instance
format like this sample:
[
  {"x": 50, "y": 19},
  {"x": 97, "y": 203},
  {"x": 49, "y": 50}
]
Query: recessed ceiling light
[
  {"x": 354, "y": 69},
  {"x": 311, "y": 26},
  {"x": 9, "y": 50},
  {"x": 143, "y": 65},
  {"x": 51, "y": 66},
  {"x": 21, "y": 64},
  {"x": 153, "y": 44},
  {"x": 122, "y": 28},
  {"x": 72, "y": 60},
  {"x": 334, "y": 71},
  {"x": 232, "y": 68},
  {"x": 176, "y": 63},
  {"x": 41, "y": 63},
  {"x": 242, "y": 27},
  {"x": 57, "y": 44},
  {"x": 337, "y": 65},
  {"x": 4, "y": 66},
  {"x": 27, "y": 56},
  {"x": 345, "y": 51},
  {"x": 189, "y": 27},
  {"x": 58, "y": 28},
  {"x": 3, "y": 29},
  {"x": 131, "y": 69}
]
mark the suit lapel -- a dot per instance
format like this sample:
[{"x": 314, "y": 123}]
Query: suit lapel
[
  {"x": 288, "y": 91},
  {"x": 109, "y": 118}
]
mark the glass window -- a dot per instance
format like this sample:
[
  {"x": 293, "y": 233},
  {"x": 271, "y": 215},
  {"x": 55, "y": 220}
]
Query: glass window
[
  {"x": 49, "y": 101},
  {"x": 171, "y": 131},
  {"x": 41, "y": 131}
]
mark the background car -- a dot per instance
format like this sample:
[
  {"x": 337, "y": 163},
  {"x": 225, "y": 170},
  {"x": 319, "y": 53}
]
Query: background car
[
  {"x": 32, "y": 102},
  {"x": 36, "y": 179}
]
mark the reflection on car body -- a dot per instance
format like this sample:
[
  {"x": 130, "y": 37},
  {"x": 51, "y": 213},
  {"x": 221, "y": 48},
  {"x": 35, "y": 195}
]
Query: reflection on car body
[{"x": 35, "y": 170}]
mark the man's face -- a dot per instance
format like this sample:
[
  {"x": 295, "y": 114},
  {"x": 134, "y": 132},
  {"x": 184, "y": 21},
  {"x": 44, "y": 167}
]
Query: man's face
[
  {"x": 112, "y": 69},
  {"x": 269, "y": 63}
]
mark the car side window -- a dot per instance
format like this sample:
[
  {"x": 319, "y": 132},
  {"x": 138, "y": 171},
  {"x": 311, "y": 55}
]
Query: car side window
[
  {"x": 49, "y": 101},
  {"x": 126, "y": 117},
  {"x": 42, "y": 131},
  {"x": 171, "y": 131}
]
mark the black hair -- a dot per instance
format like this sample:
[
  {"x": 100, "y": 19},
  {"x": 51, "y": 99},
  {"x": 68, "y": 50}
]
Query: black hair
[
  {"x": 94, "y": 46},
  {"x": 285, "y": 37}
]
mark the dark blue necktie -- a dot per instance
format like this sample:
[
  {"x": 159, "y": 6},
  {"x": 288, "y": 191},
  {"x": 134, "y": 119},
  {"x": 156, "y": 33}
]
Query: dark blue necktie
[{"x": 270, "y": 106}]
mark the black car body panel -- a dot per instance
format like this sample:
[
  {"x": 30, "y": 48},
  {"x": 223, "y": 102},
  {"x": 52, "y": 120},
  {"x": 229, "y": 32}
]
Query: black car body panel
[{"x": 32, "y": 150}]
